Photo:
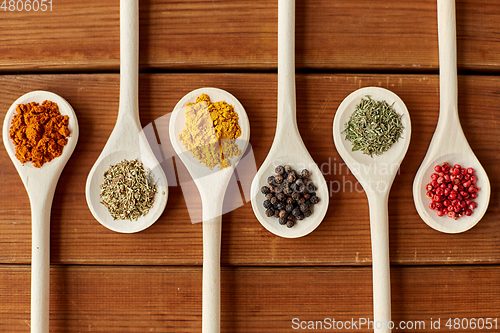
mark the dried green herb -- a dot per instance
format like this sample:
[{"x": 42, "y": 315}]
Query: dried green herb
[
  {"x": 128, "y": 191},
  {"x": 373, "y": 127}
]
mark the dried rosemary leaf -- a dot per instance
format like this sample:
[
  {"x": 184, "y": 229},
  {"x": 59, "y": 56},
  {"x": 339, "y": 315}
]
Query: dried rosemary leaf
[
  {"x": 373, "y": 127},
  {"x": 128, "y": 190}
]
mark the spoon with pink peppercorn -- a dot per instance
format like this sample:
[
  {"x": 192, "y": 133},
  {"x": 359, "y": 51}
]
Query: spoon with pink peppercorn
[{"x": 470, "y": 189}]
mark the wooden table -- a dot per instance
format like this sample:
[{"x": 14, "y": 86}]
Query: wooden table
[{"x": 103, "y": 281}]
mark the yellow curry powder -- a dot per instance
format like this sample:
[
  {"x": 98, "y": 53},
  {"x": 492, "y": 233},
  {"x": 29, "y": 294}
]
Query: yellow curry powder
[
  {"x": 211, "y": 132},
  {"x": 39, "y": 132}
]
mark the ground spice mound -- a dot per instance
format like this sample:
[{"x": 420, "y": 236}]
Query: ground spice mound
[
  {"x": 39, "y": 132},
  {"x": 211, "y": 132}
]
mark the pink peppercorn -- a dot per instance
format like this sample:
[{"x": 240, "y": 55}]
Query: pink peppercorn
[{"x": 452, "y": 190}]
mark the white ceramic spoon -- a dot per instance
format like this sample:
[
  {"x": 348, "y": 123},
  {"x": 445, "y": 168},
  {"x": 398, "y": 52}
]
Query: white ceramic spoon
[
  {"x": 127, "y": 141},
  {"x": 288, "y": 147},
  {"x": 376, "y": 176},
  {"x": 212, "y": 186},
  {"x": 41, "y": 184},
  {"x": 449, "y": 143}
]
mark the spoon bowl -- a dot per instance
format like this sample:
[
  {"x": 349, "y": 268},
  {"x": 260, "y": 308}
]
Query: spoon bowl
[
  {"x": 127, "y": 141},
  {"x": 111, "y": 157},
  {"x": 443, "y": 223},
  {"x": 299, "y": 159},
  {"x": 212, "y": 185},
  {"x": 177, "y": 123},
  {"x": 376, "y": 174},
  {"x": 288, "y": 147},
  {"x": 448, "y": 143},
  {"x": 40, "y": 183}
]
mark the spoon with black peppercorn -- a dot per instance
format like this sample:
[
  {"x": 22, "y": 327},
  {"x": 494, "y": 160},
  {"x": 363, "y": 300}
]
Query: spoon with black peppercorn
[
  {"x": 376, "y": 174},
  {"x": 127, "y": 140},
  {"x": 288, "y": 147},
  {"x": 41, "y": 184},
  {"x": 212, "y": 185},
  {"x": 449, "y": 143}
]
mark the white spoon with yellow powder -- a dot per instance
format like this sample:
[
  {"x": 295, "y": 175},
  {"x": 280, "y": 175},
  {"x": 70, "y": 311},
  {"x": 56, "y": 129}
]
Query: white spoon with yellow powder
[{"x": 211, "y": 183}]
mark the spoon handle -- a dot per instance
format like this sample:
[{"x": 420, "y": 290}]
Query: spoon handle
[
  {"x": 448, "y": 86},
  {"x": 379, "y": 225},
  {"x": 40, "y": 261},
  {"x": 212, "y": 230},
  {"x": 287, "y": 121},
  {"x": 129, "y": 60}
]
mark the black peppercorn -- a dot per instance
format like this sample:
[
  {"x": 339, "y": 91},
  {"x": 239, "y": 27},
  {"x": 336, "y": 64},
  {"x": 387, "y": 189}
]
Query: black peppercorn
[
  {"x": 279, "y": 170},
  {"x": 274, "y": 200},
  {"x": 269, "y": 196},
  {"x": 311, "y": 187},
  {"x": 303, "y": 207},
  {"x": 269, "y": 212},
  {"x": 289, "y": 207},
  {"x": 314, "y": 199},
  {"x": 282, "y": 221},
  {"x": 276, "y": 213},
  {"x": 299, "y": 182},
  {"x": 272, "y": 188},
  {"x": 278, "y": 179},
  {"x": 290, "y": 223},
  {"x": 296, "y": 196},
  {"x": 302, "y": 189},
  {"x": 300, "y": 217},
  {"x": 301, "y": 201},
  {"x": 270, "y": 180},
  {"x": 281, "y": 196},
  {"x": 307, "y": 195},
  {"x": 287, "y": 190},
  {"x": 296, "y": 211},
  {"x": 289, "y": 200},
  {"x": 305, "y": 173},
  {"x": 278, "y": 189},
  {"x": 307, "y": 213},
  {"x": 280, "y": 205},
  {"x": 291, "y": 177},
  {"x": 288, "y": 169},
  {"x": 267, "y": 204},
  {"x": 283, "y": 214},
  {"x": 264, "y": 190}
]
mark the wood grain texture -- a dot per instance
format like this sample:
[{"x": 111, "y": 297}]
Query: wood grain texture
[
  {"x": 216, "y": 35},
  {"x": 342, "y": 239},
  {"x": 168, "y": 299}
]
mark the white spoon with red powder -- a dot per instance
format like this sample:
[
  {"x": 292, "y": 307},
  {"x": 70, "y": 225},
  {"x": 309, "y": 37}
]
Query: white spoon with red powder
[{"x": 40, "y": 183}]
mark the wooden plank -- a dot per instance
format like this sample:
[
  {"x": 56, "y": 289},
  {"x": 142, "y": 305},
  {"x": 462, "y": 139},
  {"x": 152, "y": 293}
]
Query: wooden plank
[
  {"x": 160, "y": 299},
  {"x": 342, "y": 239},
  {"x": 242, "y": 35}
]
